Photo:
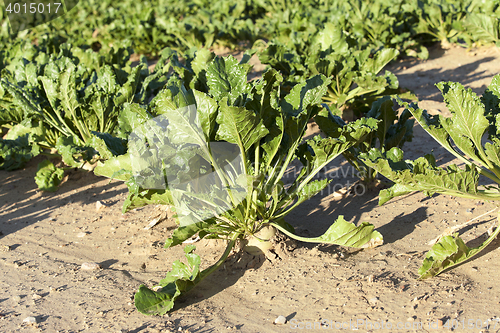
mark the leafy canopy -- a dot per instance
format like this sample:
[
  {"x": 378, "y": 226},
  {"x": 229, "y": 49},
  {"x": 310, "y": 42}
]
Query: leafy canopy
[
  {"x": 471, "y": 134},
  {"x": 222, "y": 157}
]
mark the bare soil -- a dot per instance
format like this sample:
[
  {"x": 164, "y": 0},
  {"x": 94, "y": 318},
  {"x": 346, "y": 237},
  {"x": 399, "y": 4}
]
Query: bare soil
[{"x": 46, "y": 237}]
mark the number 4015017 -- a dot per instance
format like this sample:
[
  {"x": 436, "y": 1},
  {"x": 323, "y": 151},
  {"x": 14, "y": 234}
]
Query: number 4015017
[{"x": 32, "y": 8}]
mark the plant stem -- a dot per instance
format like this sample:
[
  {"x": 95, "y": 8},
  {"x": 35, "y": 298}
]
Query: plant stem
[
  {"x": 294, "y": 236},
  {"x": 221, "y": 260}
]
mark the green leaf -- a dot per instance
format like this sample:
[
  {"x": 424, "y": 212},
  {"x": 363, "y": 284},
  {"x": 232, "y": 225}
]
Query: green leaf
[
  {"x": 482, "y": 27},
  {"x": 106, "y": 145},
  {"x": 448, "y": 252},
  {"x": 329, "y": 123},
  {"x": 181, "y": 279},
  {"x": 207, "y": 113},
  {"x": 298, "y": 105},
  {"x": 173, "y": 96},
  {"x": 332, "y": 37},
  {"x": 72, "y": 151},
  {"x": 130, "y": 117},
  {"x": 22, "y": 99},
  {"x": 226, "y": 78},
  {"x": 183, "y": 126},
  {"x": 432, "y": 125},
  {"x": 32, "y": 127},
  {"x": 151, "y": 302},
  {"x": 343, "y": 233},
  {"x": 341, "y": 139},
  {"x": 69, "y": 99},
  {"x": 382, "y": 109},
  {"x": 239, "y": 126},
  {"x": 112, "y": 167},
  {"x": 379, "y": 60},
  {"x": 395, "y": 190},
  {"x": 304, "y": 95},
  {"x": 468, "y": 124},
  {"x": 48, "y": 177},
  {"x": 183, "y": 233},
  {"x": 15, "y": 153},
  {"x": 201, "y": 61},
  {"x": 401, "y": 132},
  {"x": 140, "y": 197},
  {"x": 422, "y": 175},
  {"x": 266, "y": 104},
  {"x": 491, "y": 101},
  {"x": 311, "y": 189}
]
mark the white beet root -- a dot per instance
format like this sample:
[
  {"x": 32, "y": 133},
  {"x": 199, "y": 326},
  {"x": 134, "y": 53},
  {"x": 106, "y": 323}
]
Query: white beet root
[{"x": 260, "y": 242}]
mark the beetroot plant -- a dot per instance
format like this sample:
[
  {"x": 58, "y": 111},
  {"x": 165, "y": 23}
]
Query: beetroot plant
[
  {"x": 471, "y": 134},
  {"x": 224, "y": 160}
]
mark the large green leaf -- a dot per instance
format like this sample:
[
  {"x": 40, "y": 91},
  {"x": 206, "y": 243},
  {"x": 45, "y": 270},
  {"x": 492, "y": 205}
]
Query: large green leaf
[
  {"x": 468, "y": 123},
  {"x": 343, "y": 233},
  {"x": 239, "y": 126},
  {"x": 422, "y": 175},
  {"x": 226, "y": 78}
]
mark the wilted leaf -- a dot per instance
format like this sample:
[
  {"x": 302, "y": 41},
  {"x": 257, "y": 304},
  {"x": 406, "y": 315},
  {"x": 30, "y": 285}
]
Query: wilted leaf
[{"x": 448, "y": 252}]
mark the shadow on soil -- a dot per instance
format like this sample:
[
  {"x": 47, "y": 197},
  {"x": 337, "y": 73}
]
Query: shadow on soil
[
  {"x": 423, "y": 78},
  {"x": 22, "y": 204},
  {"x": 310, "y": 221},
  {"x": 226, "y": 276}
]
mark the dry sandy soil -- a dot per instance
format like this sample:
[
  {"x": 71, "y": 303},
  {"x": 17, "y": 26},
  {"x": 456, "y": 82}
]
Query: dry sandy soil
[{"x": 45, "y": 238}]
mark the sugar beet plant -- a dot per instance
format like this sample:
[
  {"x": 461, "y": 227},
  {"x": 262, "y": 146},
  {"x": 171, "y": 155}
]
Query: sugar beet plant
[
  {"x": 471, "y": 134},
  {"x": 220, "y": 157},
  {"x": 356, "y": 74},
  {"x": 67, "y": 105},
  {"x": 392, "y": 131}
]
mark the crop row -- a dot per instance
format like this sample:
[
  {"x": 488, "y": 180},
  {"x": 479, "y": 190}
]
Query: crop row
[
  {"x": 194, "y": 133},
  {"x": 150, "y": 26}
]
